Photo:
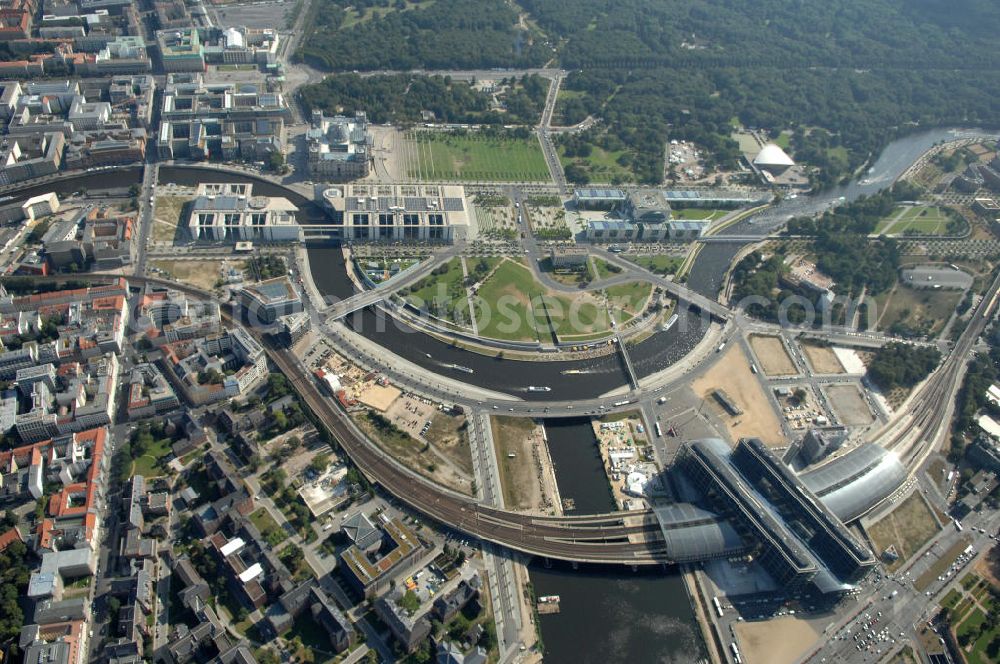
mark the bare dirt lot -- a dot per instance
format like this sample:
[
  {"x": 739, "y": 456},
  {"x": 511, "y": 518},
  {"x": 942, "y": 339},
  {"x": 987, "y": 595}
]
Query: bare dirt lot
[
  {"x": 822, "y": 359},
  {"x": 524, "y": 476},
  {"x": 778, "y": 641},
  {"x": 732, "y": 373},
  {"x": 448, "y": 436},
  {"x": 417, "y": 455},
  {"x": 204, "y": 274},
  {"x": 849, "y": 405},
  {"x": 907, "y": 527},
  {"x": 771, "y": 354},
  {"x": 409, "y": 414}
]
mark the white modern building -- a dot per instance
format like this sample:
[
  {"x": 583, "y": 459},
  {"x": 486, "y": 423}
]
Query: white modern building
[
  {"x": 773, "y": 159},
  {"x": 232, "y": 213},
  {"x": 399, "y": 213}
]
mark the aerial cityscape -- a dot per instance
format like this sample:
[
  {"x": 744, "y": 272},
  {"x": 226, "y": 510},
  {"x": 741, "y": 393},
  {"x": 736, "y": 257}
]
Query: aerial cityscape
[{"x": 499, "y": 331}]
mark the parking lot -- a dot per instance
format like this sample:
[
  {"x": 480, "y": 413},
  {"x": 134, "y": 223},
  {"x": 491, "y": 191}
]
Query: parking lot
[{"x": 253, "y": 14}]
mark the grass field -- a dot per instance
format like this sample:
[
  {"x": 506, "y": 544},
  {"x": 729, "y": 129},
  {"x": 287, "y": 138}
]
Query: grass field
[
  {"x": 521, "y": 309},
  {"x": 909, "y": 526},
  {"x": 167, "y": 218},
  {"x": 603, "y": 269},
  {"x": 662, "y": 265},
  {"x": 974, "y": 627},
  {"x": 577, "y": 317},
  {"x": 150, "y": 464},
  {"x": 267, "y": 526},
  {"x": 925, "y": 311},
  {"x": 627, "y": 300},
  {"x": 698, "y": 214},
  {"x": 602, "y": 165},
  {"x": 509, "y": 292},
  {"x": 443, "y": 295},
  {"x": 437, "y": 156},
  {"x": 969, "y": 606},
  {"x": 915, "y": 219}
]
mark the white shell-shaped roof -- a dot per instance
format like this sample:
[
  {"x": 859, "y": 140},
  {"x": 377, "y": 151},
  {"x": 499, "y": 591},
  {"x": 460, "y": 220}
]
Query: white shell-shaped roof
[{"x": 772, "y": 155}]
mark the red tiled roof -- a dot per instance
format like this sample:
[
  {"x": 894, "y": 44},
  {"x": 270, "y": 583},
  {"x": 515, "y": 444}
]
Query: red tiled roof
[{"x": 9, "y": 538}]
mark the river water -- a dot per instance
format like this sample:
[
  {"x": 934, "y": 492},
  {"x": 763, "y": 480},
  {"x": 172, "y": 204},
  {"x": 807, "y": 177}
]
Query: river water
[
  {"x": 607, "y": 614},
  {"x": 579, "y": 469},
  {"x": 610, "y": 615}
]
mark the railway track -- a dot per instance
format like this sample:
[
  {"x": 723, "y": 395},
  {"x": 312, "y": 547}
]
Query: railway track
[{"x": 915, "y": 431}]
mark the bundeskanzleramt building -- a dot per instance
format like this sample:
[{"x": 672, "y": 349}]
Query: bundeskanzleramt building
[
  {"x": 231, "y": 213},
  {"x": 398, "y": 213},
  {"x": 339, "y": 147}
]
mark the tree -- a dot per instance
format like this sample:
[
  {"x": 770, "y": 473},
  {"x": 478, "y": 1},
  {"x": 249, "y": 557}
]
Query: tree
[
  {"x": 267, "y": 656},
  {"x": 409, "y": 602},
  {"x": 292, "y": 556},
  {"x": 320, "y": 462},
  {"x": 276, "y": 161}
]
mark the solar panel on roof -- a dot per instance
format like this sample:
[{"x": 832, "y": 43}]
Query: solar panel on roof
[{"x": 454, "y": 205}]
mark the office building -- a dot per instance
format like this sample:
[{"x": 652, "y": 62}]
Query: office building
[
  {"x": 377, "y": 553},
  {"x": 397, "y": 213},
  {"x": 267, "y": 301},
  {"x": 232, "y": 213}
]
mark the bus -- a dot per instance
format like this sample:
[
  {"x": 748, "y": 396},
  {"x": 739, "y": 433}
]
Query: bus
[
  {"x": 718, "y": 607},
  {"x": 659, "y": 431},
  {"x": 736, "y": 652}
]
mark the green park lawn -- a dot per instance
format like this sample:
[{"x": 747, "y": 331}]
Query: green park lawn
[
  {"x": 508, "y": 294},
  {"x": 267, "y": 526},
  {"x": 439, "y": 288},
  {"x": 150, "y": 464},
  {"x": 921, "y": 219},
  {"x": 662, "y": 265},
  {"x": 521, "y": 309},
  {"x": 601, "y": 164},
  {"x": 471, "y": 157},
  {"x": 629, "y": 299},
  {"x": 698, "y": 214}
]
